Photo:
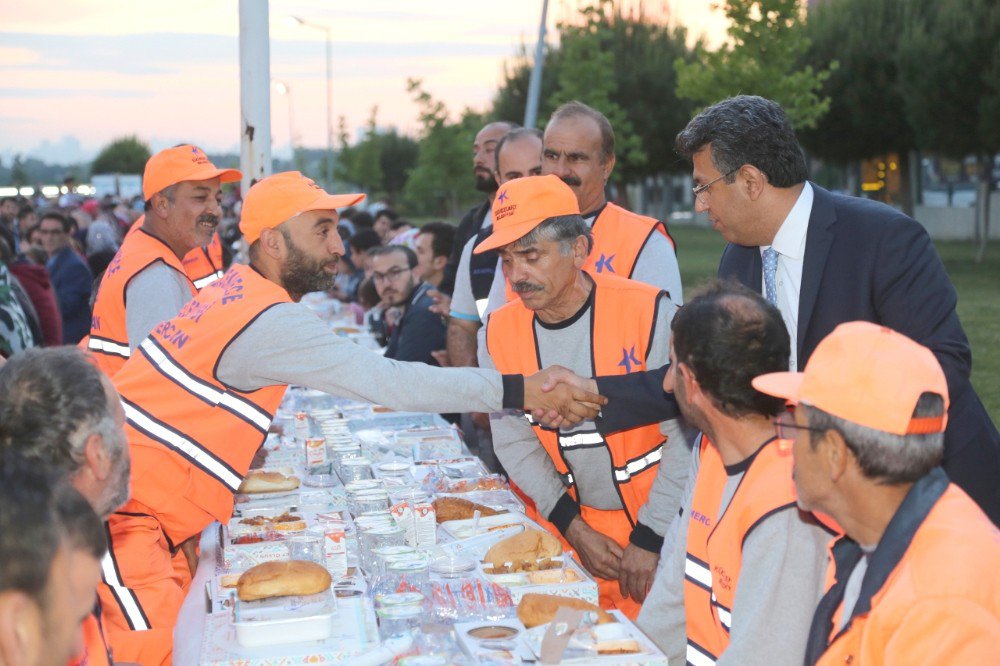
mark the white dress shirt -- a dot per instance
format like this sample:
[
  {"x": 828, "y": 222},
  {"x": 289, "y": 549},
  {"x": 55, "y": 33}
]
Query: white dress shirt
[{"x": 790, "y": 244}]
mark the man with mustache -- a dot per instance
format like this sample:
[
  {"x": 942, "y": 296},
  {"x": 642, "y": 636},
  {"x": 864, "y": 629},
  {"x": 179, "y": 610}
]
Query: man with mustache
[
  {"x": 483, "y": 149},
  {"x": 601, "y": 495},
  {"x": 418, "y": 331},
  {"x": 146, "y": 282},
  {"x": 579, "y": 148},
  {"x": 63, "y": 415},
  {"x": 202, "y": 389}
]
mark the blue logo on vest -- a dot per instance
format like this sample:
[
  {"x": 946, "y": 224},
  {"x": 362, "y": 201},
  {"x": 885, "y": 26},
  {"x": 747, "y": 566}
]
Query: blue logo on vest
[
  {"x": 628, "y": 359},
  {"x": 604, "y": 263}
]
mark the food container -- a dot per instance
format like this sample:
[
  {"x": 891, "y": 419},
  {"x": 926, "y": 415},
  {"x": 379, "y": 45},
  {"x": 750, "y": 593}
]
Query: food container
[
  {"x": 284, "y": 620},
  {"x": 307, "y": 546},
  {"x": 355, "y": 469},
  {"x": 396, "y": 621}
]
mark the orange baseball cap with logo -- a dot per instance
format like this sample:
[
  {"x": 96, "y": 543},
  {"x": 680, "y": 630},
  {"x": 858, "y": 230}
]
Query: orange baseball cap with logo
[
  {"x": 866, "y": 374},
  {"x": 524, "y": 203},
  {"x": 174, "y": 165},
  {"x": 279, "y": 198}
]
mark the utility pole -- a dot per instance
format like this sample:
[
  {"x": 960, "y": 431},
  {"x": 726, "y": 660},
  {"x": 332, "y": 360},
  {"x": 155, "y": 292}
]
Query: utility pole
[
  {"x": 535, "y": 84},
  {"x": 255, "y": 92}
]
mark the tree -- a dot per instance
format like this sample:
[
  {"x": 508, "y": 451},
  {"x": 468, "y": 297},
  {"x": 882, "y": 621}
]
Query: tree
[
  {"x": 18, "y": 174},
  {"x": 441, "y": 181},
  {"x": 762, "y": 57},
  {"x": 511, "y": 98},
  {"x": 866, "y": 115},
  {"x": 125, "y": 155},
  {"x": 948, "y": 69}
]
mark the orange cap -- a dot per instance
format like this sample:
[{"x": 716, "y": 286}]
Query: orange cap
[
  {"x": 866, "y": 374},
  {"x": 174, "y": 165},
  {"x": 279, "y": 198},
  {"x": 524, "y": 203}
]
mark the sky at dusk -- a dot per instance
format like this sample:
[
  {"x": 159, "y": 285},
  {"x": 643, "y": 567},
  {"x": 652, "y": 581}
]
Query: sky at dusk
[{"x": 76, "y": 74}]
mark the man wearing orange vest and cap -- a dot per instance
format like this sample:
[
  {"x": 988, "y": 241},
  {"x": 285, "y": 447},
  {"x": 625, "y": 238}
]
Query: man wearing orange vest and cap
[
  {"x": 745, "y": 559},
  {"x": 60, "y": 412},
  {"x": 914, "y": 579},
  {"x": 146, "y": 283},
  {"x": 202, "y": 389},
  {"x": 203, "y": 265},
  {"x": 598, "y": 493}
]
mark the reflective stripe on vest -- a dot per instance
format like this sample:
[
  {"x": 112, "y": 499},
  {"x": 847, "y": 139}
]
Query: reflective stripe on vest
[
  {"x": 104, "y": 346},
  {"x": 244, "y": 409},
  {"x": 108, "y": 330},
  {"x": 623, "y": 316},
  {"x": 137, "y": 620},
  {"x": 715, "y": 543},
  {"x": 201, "y": 283},
  {"x": 186, "y": 446}
]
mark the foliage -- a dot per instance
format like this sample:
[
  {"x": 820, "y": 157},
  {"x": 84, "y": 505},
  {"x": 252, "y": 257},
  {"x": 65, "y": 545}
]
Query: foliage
[
  {"x": 125, "y": 155},
  {"x": 620, "y": 63},
  {"x": 379, "y": 163},
  {"x": 866, "y": 114},
  {"x": 441, "y": 181},
  {"x": 763, "y": 57}
]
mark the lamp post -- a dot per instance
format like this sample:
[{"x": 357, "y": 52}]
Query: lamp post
[
  {"x": 285, "y": 91},
  {"x": 535, "y": 83},
  {"x": 328, "y": 32}
]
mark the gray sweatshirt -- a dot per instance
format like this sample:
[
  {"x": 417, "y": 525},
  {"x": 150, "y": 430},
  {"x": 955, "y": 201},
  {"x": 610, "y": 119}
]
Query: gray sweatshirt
[
  {"x": 524, "y": 458},
  {"x": 289, "y": 344},
  {"x": 780, "y": 583},
  {"x": 155, "y": 294}
]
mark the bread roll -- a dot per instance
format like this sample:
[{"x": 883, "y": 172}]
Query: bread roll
[
  {"x": 268, "y": 482},
  {"x": 554, "y": 577},
  {"x": 526, "y": 547},
  {"x": 282, "y": 579},
  {"x": 456, "y": 508},
  {"x": 536, "y": 609}
]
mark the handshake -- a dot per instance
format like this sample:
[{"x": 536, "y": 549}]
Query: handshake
[{"x": 558, "y": 397}]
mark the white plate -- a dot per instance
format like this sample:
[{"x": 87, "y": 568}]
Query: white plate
[{"x": 462, "y": 529}]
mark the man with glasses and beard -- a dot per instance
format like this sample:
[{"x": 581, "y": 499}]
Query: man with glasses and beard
[
  {"x": 202, "y": 389},
  {"x": 59, "y": 413},
  {"x": 478, "y": 216},
  {"x": 146, "y": 282},
  {"x": 418, "y": 331}
]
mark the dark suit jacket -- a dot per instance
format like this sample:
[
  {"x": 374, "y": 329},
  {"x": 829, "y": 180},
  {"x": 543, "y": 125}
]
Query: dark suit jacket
[
  {"x": 867, "y": 261},
  {"x": 73, "y": 282}
]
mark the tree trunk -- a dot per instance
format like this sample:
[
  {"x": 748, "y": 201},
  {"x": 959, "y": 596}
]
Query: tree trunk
[
  {"x": 905, "y": 182},
  {"x": 984, "y": 192}
]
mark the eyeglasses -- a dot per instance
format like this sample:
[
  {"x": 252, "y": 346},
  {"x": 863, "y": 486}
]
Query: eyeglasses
[
  {"x": 701, "y": 189},
  {"x": 390, "y": 275},
  {"x": 785, "y": 426}
]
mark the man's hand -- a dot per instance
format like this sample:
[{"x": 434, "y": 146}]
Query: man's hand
[
  {"x": 481, "y": 420},
  {"x": 571, "y": 403},
  {"x": 190, "y": 550},
  {"x": 599, "y": 554},
  {"x": 441, "y": 304},
  {"x": 442, "y": 358},
  {"x": 638, "y": 567},
  {"x": 552, "y": 377}
]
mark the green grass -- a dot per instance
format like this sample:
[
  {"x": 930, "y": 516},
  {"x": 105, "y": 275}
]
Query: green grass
[{"x": 978, "y": 287}]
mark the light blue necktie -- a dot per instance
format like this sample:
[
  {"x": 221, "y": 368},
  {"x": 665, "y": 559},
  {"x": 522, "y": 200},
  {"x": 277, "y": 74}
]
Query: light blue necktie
[{"x": 770, "y": 268}]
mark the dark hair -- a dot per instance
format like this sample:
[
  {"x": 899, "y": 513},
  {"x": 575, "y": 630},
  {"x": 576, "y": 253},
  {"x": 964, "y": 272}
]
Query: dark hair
[
  {"x": 389, "y": 213},
  {"x": 396, "y": 225},
  {"x": 367, "y": 293},
  {"x": 55, "y": 215},
  {"x": 727, "y": 335},
  {"x": 443, "y": 237},
  {"x": 38, "y": 512},
  {"x": 886, "y": 457},
  {"x": 562, "y": 229},
  {"x": 25, "y": 212},
  {"x": 513, "y": 135},
  {"x": 579, "y": 109},
  {"x": 51, "y": 401},
  {"x": 747, "y": 129},
  {"x": 382, "y": 250},
  {"x": 364, "y": 240},
  {"x": 362, "y": 220},
  {"x": 4, "y": 200}
]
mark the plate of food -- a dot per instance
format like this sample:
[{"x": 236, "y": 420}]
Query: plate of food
[
  {"x": 529, "y": 550},
  {"x": 501, "y": 522},
  {"x": 269, "y": 483}
]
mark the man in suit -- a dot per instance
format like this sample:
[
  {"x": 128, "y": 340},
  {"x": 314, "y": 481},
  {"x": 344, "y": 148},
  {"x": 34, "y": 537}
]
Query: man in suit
[{"x": 823, "y": 259}]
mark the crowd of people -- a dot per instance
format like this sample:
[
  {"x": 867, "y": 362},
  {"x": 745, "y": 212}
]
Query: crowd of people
[{"x": 790, "y": 465}]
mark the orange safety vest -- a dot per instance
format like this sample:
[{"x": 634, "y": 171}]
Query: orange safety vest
[
  {"x": 952, "y": 558},
  {"x": 95, "y": 648},
  {"x": 203, "y": 265},
  {"x": 178, "y": 410},
  {"x": 619, "y": 236},
  {"x": 623, "y": 318},
  {"x": 715, "y": 546},
  {"x": 109, "y": 341}
]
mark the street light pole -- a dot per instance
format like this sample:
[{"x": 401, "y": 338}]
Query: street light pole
[
  {"x": 328, "y": 33},
  {"x": 535, "y": 83}
]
